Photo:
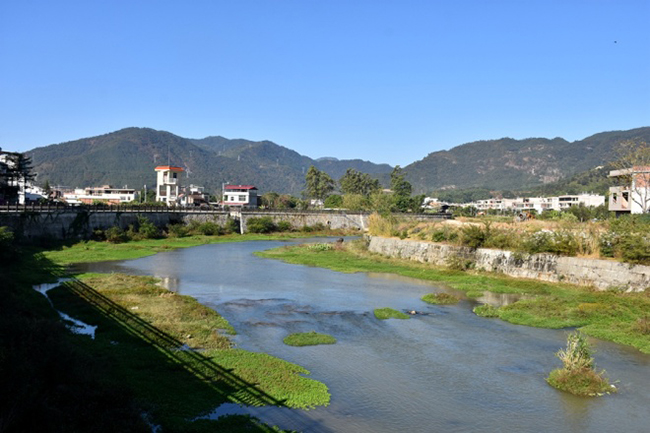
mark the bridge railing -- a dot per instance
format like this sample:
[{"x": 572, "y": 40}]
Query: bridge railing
[{"x": 144, "y": 208}]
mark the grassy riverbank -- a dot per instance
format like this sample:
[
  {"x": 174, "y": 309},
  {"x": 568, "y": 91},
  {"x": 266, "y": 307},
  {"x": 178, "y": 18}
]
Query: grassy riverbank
[
  {"x": 619, "y": 317},
  {"x": 53, "y": 380},
  {"x": 95, "y": 251}
]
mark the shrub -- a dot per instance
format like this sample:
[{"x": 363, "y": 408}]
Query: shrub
[
  {"x": 458, "y": 263},
  {"x": 6, "y": 243},
  {"x": 284, "y": 226},
  {"x": 115, "y": 235},
  {"x": 232, "y": 226},
  {"x": 261, "y": 225},
  {"x": 177, "y": 230},
  {"x": 578, "y": 375},
  {"x": 209, "y": 228},
  {"x": 474, "y": 236},
  {"x": 147, "y": 229}
]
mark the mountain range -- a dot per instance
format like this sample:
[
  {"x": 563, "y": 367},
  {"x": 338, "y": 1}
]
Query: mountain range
[{"x": 128, "y": 157}]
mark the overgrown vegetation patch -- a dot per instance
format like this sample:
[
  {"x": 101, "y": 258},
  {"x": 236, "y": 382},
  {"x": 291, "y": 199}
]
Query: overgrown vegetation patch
[
  {"x": 578, "y": 375},
  {"x": 389, "y": 313},
  {"x": 308, "y": 339},
  {"x": 440, "y": 298}
]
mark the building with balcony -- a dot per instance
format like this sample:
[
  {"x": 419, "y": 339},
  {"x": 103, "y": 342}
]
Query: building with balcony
[
  {"x": 167, "y": 184},
  {"x": 240, "y": 196},
  {"x": 634, "y": 196},
  {"x": 104, "y": 194}
]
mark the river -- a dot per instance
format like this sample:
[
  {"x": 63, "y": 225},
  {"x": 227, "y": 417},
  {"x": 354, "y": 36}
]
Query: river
[{"x": 444, "y": 371}]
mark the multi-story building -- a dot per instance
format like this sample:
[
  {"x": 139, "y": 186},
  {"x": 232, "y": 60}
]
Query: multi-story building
[
  {"x": 240, "y": 195},
  {"x": 633, "y": 197},
  {"x": 105, "y": 194},
  {"x": 193, "y": 196},
  {"x": 167, "y": 184}
]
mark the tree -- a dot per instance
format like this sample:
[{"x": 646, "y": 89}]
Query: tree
[
  {"x": 400, "y": 186},
  {"x": 633, "y": 167},
  {"x": 15, "y": 172},
  {"x": 319, "y": 184},
  {"x": 355, "y": 182}
]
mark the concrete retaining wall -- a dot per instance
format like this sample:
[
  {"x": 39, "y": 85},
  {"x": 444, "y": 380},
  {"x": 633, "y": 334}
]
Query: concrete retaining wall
[
  {"x": 602, "y": 274},
  {"x": 354, "y": 221}
]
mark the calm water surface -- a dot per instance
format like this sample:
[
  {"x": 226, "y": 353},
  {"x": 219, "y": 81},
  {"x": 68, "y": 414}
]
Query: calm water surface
[{"x": 444, "y": 371}]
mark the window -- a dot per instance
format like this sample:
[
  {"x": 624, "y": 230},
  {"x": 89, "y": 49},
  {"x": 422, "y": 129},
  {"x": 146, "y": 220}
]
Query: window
[{"x": 242, "y": 198}]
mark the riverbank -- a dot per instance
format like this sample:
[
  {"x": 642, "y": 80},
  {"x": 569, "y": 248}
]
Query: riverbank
[
  {"x": 137, "y": 364},
  {"x": 609, "y": 315}
]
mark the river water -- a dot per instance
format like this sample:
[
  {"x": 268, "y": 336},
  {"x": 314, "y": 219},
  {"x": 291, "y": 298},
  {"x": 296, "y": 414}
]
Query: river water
[{"x": 443, "y": 371}]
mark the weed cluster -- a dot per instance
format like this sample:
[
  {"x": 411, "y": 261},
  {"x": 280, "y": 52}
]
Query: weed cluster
[
  {"x": 390, "y": 313},
  {"x": 440, "y": 298},
  {"x": 312, "y": 338},
  {"x": 578, "y": 376}
]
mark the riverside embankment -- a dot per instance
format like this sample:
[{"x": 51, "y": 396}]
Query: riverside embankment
[{"x": 602, "y": 274}]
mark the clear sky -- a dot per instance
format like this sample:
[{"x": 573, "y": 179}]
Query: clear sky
[{"x": 386, "y": 81}]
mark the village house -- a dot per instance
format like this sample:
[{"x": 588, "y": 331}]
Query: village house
[
  {"x": 104, "y": 194},
  {"x": 168, "y": 184},
  {"x": 633, "y": 198},
  {"x": 194, "y": 196},
  {"x": 240, "y": 196}
]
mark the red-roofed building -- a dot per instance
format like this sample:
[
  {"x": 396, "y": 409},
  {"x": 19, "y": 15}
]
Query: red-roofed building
[
  {"x": 167, "y": 183},
  {"x": 240, "y": 195}
]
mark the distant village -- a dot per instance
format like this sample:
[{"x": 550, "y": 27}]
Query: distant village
[{"x": 20, "y": 189}]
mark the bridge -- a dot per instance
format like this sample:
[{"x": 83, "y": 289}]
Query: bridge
[{"x": 61, "y": 221}]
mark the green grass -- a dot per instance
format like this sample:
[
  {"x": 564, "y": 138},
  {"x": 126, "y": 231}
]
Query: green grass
[
  {"x": 141, "y": 327},
  {"x": 486, "y": 310},
  {"x": 95, "y": 251},
  {"x": 608, "y": 315},
  {"x": 389, "y": 313},
  {"x": 308, "y": 339},
  {"x": 440, "y": 298}
]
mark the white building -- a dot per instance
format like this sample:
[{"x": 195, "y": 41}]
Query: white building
[
  {"x": 634, "y": 197},
  {"x": 167, "y": 184},
  {"x": 193, "y": 196},
  {"x": 539, "y": 204},
  {"x": 106, "y": 194},
  {"x": 240, "y": 195}
]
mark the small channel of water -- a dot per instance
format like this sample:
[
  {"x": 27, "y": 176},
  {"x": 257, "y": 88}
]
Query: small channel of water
[{"x": 445, "y": 371}]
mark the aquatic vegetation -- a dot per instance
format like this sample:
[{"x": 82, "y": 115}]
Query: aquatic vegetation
[
  {"x": 440, "y": 298},
  {"x": 579, "y": 376},
  {"x": 389, "y": 313},
  {"x": 486, "y": 310},
  {"x": 308, "y": 339},
  {"x": 618, "y": 317}
]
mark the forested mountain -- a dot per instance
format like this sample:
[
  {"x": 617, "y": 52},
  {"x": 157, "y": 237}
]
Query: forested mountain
[
  {"x": 515, "y": 164},
  {"x": 128, "y": 157}
]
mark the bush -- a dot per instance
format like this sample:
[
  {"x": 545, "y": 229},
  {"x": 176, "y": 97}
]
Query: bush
[
  {"x": 7, "y": 249},
  {"x": 209, "y": 228},
  {"x": 261, "y": 225},
  {"x": 115, "y": 235},
  {"x": 177, "y": 230},
  {"x": 578, "y": 375},
  {"x": 232, "y": 226},
  {"x": 147, "y": 229},
  {"x": 284, "y": 226}
]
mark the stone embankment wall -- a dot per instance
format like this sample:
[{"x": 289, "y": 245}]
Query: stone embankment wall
[
  {"x": 346, "y": 221},
  {"x": 66, "y": 224},
  {"x": 602, "y": 274}
]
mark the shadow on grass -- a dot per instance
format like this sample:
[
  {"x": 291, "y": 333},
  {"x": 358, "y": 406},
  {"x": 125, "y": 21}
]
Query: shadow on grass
[{"x": 184, "y": 383}]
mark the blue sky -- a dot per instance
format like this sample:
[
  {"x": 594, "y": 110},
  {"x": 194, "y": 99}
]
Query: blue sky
[{"x": 386, "y": 81}]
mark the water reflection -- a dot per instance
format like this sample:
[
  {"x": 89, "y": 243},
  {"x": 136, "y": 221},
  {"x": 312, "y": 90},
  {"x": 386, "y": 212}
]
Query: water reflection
[{"x": 448, "y": 370}]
